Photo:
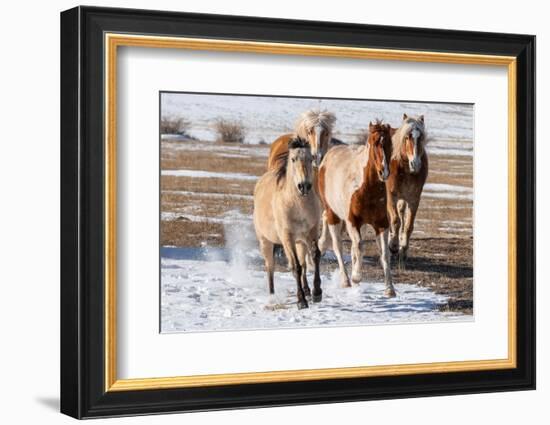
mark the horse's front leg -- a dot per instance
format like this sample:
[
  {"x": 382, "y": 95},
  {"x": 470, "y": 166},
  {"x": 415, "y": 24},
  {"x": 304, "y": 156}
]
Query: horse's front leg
[
  {"x": 382, "y": 236},
  {"x": 316, "y": 254},
  {"x": 394, "y": 223},
  {"x": 302, "y": 251},
  {"x": 336, "y": 235},
  {"x": 289, "y": 246},
  {"x": 408, "y": 227},
  {"x": 356, "y": 254}
]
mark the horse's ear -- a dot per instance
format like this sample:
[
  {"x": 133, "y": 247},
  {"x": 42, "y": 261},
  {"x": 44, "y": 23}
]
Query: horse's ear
[
  {"x": 370, "y": 125},
  {"x": 421, "y": 118},
  {"x": 405, "y": 116}
]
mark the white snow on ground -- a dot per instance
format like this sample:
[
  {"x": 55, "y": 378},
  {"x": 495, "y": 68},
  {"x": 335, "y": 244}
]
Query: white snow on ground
[
  {"x": 208, "y": 289},
  {"x": 202, "y": 295},
  {"x": 208, "y": 174},
  {"x": 447, "y": 191},
  {"x": 450, "y": 126},
  {"x": 173, "y": 137},
  {"x": 230, "y": 217},
  {"x": 220, "y": 150}
]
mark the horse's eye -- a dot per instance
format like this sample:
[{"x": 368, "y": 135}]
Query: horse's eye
[{"x": 293, "y": 159}]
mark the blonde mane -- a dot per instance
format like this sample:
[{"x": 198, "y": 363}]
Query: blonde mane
[
  {"x": 313, "y": 118},
  {"x": 400, "y": 136}
]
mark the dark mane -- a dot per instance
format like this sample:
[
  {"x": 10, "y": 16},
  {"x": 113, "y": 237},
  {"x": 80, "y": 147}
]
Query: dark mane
[
  {"x": 282, "y": 159},
  {"x": 379, "y": 125}
]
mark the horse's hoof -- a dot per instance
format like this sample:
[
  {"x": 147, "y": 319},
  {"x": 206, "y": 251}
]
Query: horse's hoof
[
  {"x": 302, "y": 304},
  {"x": 345, "y": 283},
  {"x": 316, "y": 298},
  {"x": 390, "y": 292},
  {"x": 356, "y": 279}
]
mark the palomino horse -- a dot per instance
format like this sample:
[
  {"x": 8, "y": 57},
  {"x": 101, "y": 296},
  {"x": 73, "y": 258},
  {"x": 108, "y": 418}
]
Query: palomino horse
[
  {"x": 408, "y": 173},
  {"x": 314, "y": 126},
  {"x": 287, "y": 212},
  {"x": 351, "y": 186}
]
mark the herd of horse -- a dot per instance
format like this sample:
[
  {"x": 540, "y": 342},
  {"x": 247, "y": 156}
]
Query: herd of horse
[{"x": 316, "y": 185}]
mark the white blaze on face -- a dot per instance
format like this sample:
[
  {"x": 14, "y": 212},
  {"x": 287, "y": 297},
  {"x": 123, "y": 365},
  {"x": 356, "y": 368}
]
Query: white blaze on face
[
  {"x": 414, "y": 162},
  {"x": 386, "y": 171}
]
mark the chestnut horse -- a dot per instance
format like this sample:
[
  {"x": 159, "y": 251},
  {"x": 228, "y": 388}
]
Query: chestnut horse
[
  {"x": 408, "y": 173},
  {"x": 352, "y": 189},
  {"x": 287, "y": 212},
  {"x": 314, "y": 126}
]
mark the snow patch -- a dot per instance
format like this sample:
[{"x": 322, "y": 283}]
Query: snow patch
[{"x": 208, "y": 174}]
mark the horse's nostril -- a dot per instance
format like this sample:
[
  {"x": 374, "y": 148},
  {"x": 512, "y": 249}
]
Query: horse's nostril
[{"x": 308, "y": 186}]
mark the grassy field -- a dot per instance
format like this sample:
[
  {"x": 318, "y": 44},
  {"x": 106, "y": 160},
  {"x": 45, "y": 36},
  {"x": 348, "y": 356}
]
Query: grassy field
[{"x": 195, "y": 206}]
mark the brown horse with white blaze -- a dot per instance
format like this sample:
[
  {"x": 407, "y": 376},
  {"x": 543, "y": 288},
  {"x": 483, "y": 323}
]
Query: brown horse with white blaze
[
  {"x": 315, "y": 127},
  {"x": 287, "y": 212},
  {"x": 352, "y": 189},
  {"x": 408, "y": 173}
]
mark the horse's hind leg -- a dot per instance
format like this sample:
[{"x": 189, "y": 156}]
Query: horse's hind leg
[
  {"x": 382, "y": 236},
  {"x": 267, "y": 248},
  {"x": 324, "y": 240},
  {"x": 302, "y": 251},
  {"x": 356, "y": 254}
]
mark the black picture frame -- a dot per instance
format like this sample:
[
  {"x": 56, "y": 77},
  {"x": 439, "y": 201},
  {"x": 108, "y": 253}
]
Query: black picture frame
[{"x": 83, "y": 392}]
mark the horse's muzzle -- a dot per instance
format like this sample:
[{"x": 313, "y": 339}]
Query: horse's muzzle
[
  {"x": 304, "y": 188},
  {"x": 414, "y": 166}
]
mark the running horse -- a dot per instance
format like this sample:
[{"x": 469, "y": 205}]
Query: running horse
[
  {"x": 408, "y": 173},
  {"x": 314, "y": 126},
  {"x": 352, "y": 189},
  {"x": 287, "y": 212}
]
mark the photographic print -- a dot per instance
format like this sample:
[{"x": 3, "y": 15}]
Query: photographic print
[{"x": 286, "y": 212}]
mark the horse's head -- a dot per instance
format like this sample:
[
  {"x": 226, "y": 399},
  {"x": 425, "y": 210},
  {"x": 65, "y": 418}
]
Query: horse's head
[
  {"x": 379, "y": 143},
  {"x": 315, "y": 127},
  {"x": 413, "y": 139},
  {"x": 300, "y": 165}
]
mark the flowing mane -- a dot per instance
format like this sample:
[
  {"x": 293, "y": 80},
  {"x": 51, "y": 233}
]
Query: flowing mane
[
  {"x": 398, "y": 139},
  {"x": 313, "y": 118},
  {"x": 282, "y": 159}
]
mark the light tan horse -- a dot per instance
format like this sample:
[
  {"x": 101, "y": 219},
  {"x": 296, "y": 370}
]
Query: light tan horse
[
  {"x": 352, "y": 189},
  {"x": 408, "y": 173},
  {"x": 314, "y": 126},
  {"x": 287, "y": 212}
]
